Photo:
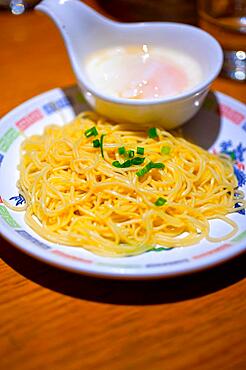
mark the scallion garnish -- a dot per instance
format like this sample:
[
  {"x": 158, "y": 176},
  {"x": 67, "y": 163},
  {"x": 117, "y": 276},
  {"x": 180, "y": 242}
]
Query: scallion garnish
[
  {"x": 160, "y": 201},
  {"x": 129, "y": 162},
  {"x": 165, "y": 149},
  {"x": 116, "y": 164},
  {"x": 157, "y": 165},
  {"x": 91, "y": 132},
  {"x": 122, "y": 165},
  {"x": 137, "y": 160},
  {"x": 96, "y": 143},
  {"x": 149, "y": 167},
  {"x": 141, "y": 172},
  {"x": 121, "y": 150},
  {"x": 101, "y": 145},
  {"x": 152, "y": 132},
  {"x": 140, "y": 150},
  {"x": 130, "y": 153}
]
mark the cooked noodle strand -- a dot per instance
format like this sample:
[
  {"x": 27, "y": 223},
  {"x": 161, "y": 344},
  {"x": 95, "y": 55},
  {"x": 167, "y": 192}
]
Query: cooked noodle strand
[{"x": 76, "y": 197}]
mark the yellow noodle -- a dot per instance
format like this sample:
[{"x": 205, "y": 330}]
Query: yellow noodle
[{"x": 78, "y": 198}]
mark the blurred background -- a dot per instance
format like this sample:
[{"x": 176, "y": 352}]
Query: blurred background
[
  {"x": 224, "y": 19},
  {"x": 34, "y": 59},
  {"x": 129, "y": 10}
]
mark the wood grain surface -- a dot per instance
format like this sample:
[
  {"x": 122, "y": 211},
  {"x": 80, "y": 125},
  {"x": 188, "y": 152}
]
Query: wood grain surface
[{"x": 51, "y": 319}]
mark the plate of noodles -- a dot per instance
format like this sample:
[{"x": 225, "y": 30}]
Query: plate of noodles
[{"x": 113, "y": 200}]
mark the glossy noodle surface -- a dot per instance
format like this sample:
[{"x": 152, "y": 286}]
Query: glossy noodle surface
[{"x": 85, "y": 186}]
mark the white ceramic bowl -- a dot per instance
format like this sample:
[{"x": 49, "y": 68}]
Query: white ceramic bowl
[{"x": 85, "y": 31}]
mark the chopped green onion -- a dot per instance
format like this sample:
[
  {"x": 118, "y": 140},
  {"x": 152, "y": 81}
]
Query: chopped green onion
[
  {"x": 96, "y": 143},
  {"x": 141, "y": 172},
  {"x": 116, "y": 164},
  {"x": 91, "y": 132},
  {"x": 149, "y": 167},
  {"x": 160, "y": 201},
  {"x": 144, "y": 170},
  {"x": 159, "y": 249},
  {"x": 138, "y": 160},
  {"x": 157, "y": 165},
  {"x": 121, "y": 150},
  {"x": 127, "y": 163},
  {"x": 165, "y": 150},
  {"x": 140, "y": 150},
  {"x": 122, "y": 165},
  {"x": 101, "y": 144},
  {"x": 152, "y": 132},
  {"x": 130, "y": 153}
]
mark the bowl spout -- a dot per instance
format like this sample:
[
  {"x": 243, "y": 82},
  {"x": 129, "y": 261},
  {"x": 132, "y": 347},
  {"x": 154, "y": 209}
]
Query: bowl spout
[
  {"x": 82, "y": 28},
  {"x": 70, "y": 14}
]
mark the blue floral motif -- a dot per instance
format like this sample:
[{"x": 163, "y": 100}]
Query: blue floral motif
[
  {"x": 242, "y": 211},
  {"x": 225, "y": 145},
  {"x": 237, "y": 154},
  {"x": 1, "y": 159},
  {"x": 241, "y": 176},
  {"x": 19, "y": 200},
  {"x": 239, "y": 151}
]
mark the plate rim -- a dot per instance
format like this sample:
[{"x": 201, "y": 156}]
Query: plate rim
[
  {"x": 60, "y": 263},
  {"x": 13, "y": 238}
]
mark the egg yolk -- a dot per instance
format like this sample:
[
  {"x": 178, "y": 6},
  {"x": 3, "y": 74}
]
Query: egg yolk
[{"x": 155, "y": 79}]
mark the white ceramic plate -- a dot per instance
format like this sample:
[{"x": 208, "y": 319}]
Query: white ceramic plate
[{"x": 220, "y": 125}]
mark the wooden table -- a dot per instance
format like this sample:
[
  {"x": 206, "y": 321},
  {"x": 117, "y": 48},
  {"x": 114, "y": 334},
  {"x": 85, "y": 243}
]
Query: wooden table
[{"x": 57, "y": 320}]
